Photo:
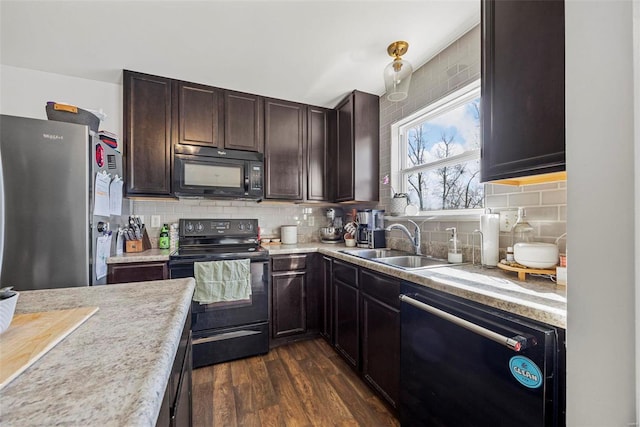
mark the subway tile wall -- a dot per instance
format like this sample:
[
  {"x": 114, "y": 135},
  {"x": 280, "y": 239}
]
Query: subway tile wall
[
  {"x": 546, "y": 204},
  {"x": 270, "y": 216}
]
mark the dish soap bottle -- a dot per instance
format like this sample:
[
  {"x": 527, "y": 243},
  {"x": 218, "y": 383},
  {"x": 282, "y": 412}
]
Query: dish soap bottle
[
  {"x": 163, "y": 241},
  {"x": 455, "y": 251},
  {"x": 522, "y": 231}
]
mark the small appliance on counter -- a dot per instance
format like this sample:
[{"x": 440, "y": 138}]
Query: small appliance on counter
[
  {"x": 371, "y": 233},
  {"x": 333, "y": 232}
]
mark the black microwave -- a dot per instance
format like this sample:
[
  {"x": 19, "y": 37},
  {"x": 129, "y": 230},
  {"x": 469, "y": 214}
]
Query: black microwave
[{"x": 217, "y": 173}]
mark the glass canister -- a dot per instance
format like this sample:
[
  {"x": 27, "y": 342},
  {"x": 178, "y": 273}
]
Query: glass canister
[{"x": 522, "y": 231}]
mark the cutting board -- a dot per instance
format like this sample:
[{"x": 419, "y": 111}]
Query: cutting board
[{"x": 32, "y": 335}]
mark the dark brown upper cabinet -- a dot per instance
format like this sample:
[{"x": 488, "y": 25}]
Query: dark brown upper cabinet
[
  {"x": 200, "y": 113},
  {"x": 243, "y": 121},
  {"x": 357, "y": 155},
  {"x": 147, "y": 134},
  {"x": 319, "y": 138},
  {"x": 285, "y": 130},
  {"x": 523, "y": 121}
]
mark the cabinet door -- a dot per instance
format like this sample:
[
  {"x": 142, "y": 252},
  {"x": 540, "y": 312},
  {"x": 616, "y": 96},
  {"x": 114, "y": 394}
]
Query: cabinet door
[
  {"x": 288, "y": 304},
  {"x": 327, "y": 291},
  {"x": 346, "y": 321},
  {"x": 147, "y": 134},
  {"x": 318, "y": 139},
  {"x": 137, "y": 272},
  {"x": 200, "y": 109},
  {"x": 243, "y": 128},
  {"x": 523, "y": 126},
  {"x": 283, "y": 148},
  {"x": 381, "y": 347},
  {"x": 344, "y": 158}
]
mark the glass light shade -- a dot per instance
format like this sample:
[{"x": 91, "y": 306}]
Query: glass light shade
[{"x": 397, "y": 77}]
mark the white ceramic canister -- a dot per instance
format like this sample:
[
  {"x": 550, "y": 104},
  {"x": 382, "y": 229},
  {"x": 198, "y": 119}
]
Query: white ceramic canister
[{"x": 289, "y": 234}]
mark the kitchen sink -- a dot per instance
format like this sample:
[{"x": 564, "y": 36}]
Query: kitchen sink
[
  {"x": 374, "y": 253},
  {"x": 412, "y": 262}
]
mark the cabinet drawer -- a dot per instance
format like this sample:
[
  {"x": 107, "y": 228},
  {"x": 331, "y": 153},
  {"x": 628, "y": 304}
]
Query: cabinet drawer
[
  {"x": 383, "y": 288},
  {"x": 289, "y": 262},
  {"x": 346, "y": 273}
]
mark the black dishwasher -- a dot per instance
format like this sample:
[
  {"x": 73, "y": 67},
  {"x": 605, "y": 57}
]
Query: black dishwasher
[{"x": 466, "y": 364}]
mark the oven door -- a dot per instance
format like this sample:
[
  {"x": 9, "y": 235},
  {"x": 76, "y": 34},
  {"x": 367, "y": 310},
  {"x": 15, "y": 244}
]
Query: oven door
[{"x": 235, "y": 313}]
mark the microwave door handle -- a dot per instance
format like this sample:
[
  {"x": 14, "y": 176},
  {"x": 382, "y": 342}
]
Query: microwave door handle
[{"x": 246, "y": 184}]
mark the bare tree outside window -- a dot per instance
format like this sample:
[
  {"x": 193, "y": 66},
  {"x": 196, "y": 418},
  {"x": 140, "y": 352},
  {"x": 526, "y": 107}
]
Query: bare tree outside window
[{"x": 452, "y": 185}]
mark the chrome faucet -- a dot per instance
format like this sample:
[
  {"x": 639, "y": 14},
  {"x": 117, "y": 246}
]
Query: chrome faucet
[{"x": 415, "y": 239}]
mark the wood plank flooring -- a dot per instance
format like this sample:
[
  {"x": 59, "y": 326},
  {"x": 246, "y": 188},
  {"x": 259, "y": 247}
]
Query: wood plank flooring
[{"x": 300, "y": 384}]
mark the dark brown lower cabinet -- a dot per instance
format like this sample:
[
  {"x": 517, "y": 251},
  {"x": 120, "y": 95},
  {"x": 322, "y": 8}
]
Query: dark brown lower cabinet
[
  {"x": 326, "y": 306},
  {"x": 346, "y": 312},
  {"x": 137, "y": 272},
  {"x": 381, "y": 333},
  {"x": 176, "y": 409},
  {"x": 295, "y": 299},
  {"x": 289, "y": 314}
]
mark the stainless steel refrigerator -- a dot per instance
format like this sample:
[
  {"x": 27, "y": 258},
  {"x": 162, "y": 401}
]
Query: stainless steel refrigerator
[{"x": 48, "y": 232}]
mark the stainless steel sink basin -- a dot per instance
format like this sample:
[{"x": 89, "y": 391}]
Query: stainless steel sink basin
[
  {"x": 375, "y": 253},
  {"x": 412, "y": 262}
]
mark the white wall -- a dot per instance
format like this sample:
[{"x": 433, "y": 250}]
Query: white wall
[
  {"x": 601, "y": 358},
  {"x": 25, "y": 92}
]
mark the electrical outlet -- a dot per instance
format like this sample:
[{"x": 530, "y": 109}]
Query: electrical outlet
[
  {"x": 155, "y": 221},
  {"x": 508, "y": 219}
]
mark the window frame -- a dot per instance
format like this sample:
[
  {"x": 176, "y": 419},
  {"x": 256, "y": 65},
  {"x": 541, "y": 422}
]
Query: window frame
[{"x": 399, "y": 146}]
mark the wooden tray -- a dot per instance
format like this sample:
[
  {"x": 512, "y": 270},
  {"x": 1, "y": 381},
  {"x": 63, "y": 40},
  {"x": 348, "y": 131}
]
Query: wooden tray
[
  {"x": 32, "y": 335},
  {"x": 523, "y": 271}
]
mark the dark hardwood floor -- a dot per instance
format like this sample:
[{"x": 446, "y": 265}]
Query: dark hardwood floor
[{"x": 300, "y": 384}]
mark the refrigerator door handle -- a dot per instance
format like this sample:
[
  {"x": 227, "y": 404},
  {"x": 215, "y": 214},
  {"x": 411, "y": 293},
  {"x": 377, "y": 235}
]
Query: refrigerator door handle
[
  {"x": 516, "y": 343},
  {"x": 2, "y": 193}
]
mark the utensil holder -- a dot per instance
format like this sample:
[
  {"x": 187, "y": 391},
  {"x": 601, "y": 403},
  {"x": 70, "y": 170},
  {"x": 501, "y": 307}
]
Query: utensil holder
[{"x": 133, "y": 246}]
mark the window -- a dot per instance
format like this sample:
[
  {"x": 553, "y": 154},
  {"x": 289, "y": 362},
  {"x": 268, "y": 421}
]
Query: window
[{"x": 435, "y": 155}]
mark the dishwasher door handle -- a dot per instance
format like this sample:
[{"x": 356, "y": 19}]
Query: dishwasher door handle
[{"x": 516, "y": 343}]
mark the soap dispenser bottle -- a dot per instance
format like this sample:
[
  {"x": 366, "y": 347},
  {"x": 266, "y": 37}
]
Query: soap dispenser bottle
[{"x": 455, "y": 251}]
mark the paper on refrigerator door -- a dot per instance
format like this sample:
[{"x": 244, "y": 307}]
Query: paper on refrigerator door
[
  {"x": 115, "y": 196},
  {"x": 103, "y": 248},
  {"x": 101, "y": 194}
]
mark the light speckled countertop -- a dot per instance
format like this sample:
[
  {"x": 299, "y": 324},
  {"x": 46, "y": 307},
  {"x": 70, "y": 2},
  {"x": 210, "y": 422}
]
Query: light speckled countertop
[
  {"x": 113, "y": 369},
  {"x": 149, "y": 255},
  {"x": 536, "y": 298}
]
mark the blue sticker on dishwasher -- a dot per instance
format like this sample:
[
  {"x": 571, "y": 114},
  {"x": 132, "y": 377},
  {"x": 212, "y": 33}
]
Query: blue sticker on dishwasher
[{"x": 525, "y": 371}]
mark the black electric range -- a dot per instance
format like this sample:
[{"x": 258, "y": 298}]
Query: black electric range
[{"x": 227, "y": 330}]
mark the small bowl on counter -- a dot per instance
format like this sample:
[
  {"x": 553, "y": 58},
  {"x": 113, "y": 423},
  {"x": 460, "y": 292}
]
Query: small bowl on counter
[{"x": 8, "y": 301}]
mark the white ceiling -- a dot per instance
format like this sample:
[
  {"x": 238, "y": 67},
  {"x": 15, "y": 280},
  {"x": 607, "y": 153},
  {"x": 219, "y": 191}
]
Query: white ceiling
[{"x": 307, "y": 51}]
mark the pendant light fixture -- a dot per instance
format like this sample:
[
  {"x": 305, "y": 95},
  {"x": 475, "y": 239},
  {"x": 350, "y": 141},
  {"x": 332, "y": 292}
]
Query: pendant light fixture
[{"x": 397, "y": 75}]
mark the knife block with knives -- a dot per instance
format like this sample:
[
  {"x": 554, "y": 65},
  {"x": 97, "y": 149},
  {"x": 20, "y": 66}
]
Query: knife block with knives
[{"x": 136, "y": 236}]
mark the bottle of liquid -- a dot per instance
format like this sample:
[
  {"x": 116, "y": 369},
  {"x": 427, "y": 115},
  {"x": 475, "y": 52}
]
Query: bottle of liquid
[
  {"x": 522, "y": 231},
  {"x": 455, "y": 251},
  {"x": 163, "y": 241}
]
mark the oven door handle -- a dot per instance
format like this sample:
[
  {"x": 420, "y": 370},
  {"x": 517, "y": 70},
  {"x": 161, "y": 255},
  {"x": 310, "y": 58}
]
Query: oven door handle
[{"x": 516, "y": 343}]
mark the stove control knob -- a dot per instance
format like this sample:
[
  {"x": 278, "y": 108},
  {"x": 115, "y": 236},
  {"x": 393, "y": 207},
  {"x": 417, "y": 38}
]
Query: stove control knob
[
  {"x": 189, "y": 227},
  {"x": 199, "y": 227},
  {"x": 249, "y": 226},
  {"x": 241, "y": 226}
]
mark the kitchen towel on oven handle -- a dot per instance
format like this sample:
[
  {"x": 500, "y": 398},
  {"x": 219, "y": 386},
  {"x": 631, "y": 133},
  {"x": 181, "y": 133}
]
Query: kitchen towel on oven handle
[{"x": 218, "y": 281}]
